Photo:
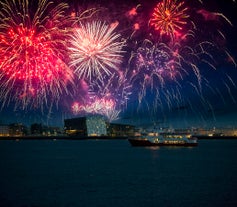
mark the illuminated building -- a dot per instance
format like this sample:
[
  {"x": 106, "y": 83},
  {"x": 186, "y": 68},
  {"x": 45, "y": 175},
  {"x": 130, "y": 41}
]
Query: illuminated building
[
  {"x": 17, "y": 129},
  {"x": 86, "y": 126},
  {"x": 4, "y": 131},
  {"x": 121, "y": 130}
]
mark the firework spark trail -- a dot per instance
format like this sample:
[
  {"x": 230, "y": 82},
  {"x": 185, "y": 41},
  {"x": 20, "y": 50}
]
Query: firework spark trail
[
  {"x": 32, "y": 45},
  {"x": 231, "y": 80},
  {"x": 215, "y": 91},
  {"x": 107, "y": 107},
  {"x": 106, "y": 98},
  {"x": 112, "y": 114},
  {"x": 229, "y": 92},
  {"x": 213, "y": 16},
  {"x": 84, "y": 14},
  {"x": 158, "y": 65},
  {"x": 117, "y": 87},
  {"x": 96, "y": 50},
  {"x": 231, "y": 59}
]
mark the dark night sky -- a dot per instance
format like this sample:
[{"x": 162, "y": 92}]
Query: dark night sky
[{"x": 219, "y": 86}]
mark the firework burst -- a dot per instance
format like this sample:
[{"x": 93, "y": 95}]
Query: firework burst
[
  {"x": 106, "y": 98},
  {"x": 102, "y": 106},
  {"x": 160, "y": 72},
  {"x": 155, "y": 64},
  {"x": 96, "y": 50},
  {"x": 169, "y": 18},
  {"x": 32, "y": 50}
]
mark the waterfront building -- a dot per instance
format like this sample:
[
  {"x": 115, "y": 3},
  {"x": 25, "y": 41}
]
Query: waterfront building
[
  {"x": 86, "y": 126},
  {"x": 17, "y": 129},
  {"x": 36, "y": 129},
  {"x": 120, "y": 130},
  {"x": 4, "y": 130}
]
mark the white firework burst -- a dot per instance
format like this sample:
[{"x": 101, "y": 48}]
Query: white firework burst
[{"x": 96, "y": 49}]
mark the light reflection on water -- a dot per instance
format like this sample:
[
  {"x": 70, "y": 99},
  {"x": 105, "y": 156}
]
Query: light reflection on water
[{"x": 112, "y": 173}]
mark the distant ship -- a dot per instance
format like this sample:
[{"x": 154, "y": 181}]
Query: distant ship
[{"x": 154, "y": 139}]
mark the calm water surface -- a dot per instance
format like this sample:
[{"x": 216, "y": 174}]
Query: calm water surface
[{"x": 59, "y": 173}]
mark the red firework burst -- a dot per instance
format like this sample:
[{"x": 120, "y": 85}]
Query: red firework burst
[
  {"x": 32, "y": 68},
  {"x": 33, "y": 60}
]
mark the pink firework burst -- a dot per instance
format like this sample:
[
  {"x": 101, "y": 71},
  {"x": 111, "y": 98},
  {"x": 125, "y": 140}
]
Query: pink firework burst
[{"x": 102, "y": 106}]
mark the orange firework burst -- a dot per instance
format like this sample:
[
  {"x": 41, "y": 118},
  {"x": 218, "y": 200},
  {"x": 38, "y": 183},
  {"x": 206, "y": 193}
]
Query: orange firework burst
[{"x": 169, "y": 17}]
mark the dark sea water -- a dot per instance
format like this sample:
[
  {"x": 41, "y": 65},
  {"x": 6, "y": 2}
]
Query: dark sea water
[{"x": 66, "y": 173}]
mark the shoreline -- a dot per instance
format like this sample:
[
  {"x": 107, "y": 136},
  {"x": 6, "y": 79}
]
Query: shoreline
[
  {"x": 61, "y": 138},
  {"x": 200, "y": 137}
]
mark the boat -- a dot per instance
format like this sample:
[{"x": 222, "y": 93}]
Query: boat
[{"x": 152, "y": 140}]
